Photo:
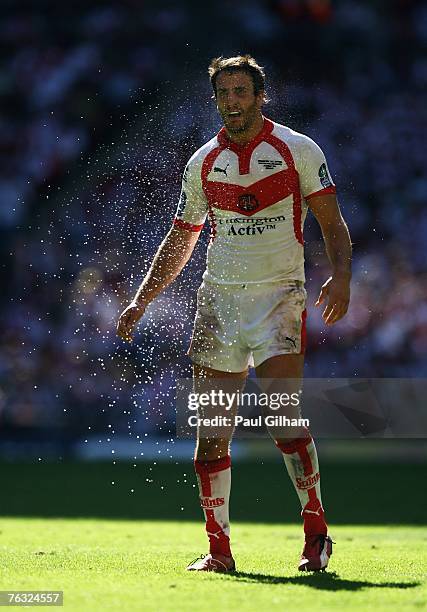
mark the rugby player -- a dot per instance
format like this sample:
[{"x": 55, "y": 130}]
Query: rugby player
[{"x": 255, "y": 181}]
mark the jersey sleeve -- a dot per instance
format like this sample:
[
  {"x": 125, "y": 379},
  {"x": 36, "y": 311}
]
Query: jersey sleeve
[
  {"x": 192, "y": 205},
  {"x": 315, "y": 178}
]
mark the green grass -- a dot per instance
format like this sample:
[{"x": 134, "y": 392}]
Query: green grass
[
  {"x": 367, "y": 493},
  {"x": 64, "y": 526},
  {"x": 129, "y": 565}
]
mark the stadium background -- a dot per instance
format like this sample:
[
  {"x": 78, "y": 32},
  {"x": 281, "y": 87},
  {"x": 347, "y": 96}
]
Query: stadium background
[{"x": 103, "y": 103}]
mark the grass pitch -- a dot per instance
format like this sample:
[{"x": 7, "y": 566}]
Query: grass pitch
[
  {"x": 124, "y": 546},
  {"x": 130, "y": 565}
]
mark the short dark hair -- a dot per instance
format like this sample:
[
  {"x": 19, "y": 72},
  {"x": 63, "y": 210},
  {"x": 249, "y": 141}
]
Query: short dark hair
[{"x": 245, "y": 63}]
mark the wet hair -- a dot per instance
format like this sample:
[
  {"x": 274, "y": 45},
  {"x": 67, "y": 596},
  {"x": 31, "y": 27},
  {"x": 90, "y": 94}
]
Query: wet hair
[{"x": 239, "y": 63}]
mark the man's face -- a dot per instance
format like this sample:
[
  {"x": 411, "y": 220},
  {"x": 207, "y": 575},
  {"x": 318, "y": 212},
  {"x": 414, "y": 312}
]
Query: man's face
[{"x": 237, "y": 104}]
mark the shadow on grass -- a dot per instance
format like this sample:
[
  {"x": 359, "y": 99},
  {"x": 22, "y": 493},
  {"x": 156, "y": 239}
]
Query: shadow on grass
[{"x": 324, "y": 581}]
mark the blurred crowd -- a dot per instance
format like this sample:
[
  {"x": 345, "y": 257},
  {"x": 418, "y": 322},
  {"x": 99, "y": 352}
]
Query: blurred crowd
[{"x": 103, "y": 107}]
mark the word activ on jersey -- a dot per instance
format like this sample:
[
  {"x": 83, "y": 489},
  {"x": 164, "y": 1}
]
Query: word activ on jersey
[{"x": 252, "y": 225}]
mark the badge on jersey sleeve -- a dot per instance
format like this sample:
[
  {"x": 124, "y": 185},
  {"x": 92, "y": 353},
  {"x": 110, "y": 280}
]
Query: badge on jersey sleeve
[
  {"x": 181, "y": 203},
  {"x": 325, "y": 179}
]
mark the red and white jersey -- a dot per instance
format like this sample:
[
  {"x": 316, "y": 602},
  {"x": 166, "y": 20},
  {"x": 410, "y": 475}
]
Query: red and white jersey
[{"x": 255, "y": 196}]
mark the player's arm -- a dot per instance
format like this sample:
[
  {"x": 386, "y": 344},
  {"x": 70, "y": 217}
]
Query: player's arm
[
  {"x": 171, "y": 257},
  {"x": 318, "y": 189},
  {"x": 175, "y": 250},
  {"x": 336, "y": 290}
]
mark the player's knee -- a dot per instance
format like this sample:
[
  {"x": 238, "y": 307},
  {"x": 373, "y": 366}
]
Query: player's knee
[
  {"x": 293, "y": 438},
  {"x": 212, "y": 449}
]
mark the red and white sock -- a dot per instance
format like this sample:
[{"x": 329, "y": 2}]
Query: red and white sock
[
  {"x": 214, "y": 479},
  {"x": 301, "y": 461}
]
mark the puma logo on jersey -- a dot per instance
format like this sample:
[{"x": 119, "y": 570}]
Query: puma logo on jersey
[{"x": 223, "y": 170}]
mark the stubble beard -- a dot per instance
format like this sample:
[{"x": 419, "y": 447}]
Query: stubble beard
[{"x": 247, "y": 123}]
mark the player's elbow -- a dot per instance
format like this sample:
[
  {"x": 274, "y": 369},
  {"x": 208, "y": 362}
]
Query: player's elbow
[{"x": 182, "y": 240}]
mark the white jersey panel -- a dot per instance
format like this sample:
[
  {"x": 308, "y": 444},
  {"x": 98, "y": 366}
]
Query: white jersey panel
[
  {"x": 192, "y": 205},
  {"x": 309, "y": 160},
  {"x": 255, "y": 196}
]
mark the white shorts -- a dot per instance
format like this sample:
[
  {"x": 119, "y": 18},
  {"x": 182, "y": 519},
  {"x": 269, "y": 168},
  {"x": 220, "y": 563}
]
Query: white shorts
[{"x": 241, "y": 325}]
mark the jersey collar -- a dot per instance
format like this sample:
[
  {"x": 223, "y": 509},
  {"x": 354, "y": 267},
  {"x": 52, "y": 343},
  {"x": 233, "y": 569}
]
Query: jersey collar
[{"x": 224, "y": 140}]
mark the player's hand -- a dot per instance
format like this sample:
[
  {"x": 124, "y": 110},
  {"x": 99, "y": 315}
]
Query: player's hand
[
  {"x": 336, "y": 291},
  {"x": 128, "y": 319}
]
